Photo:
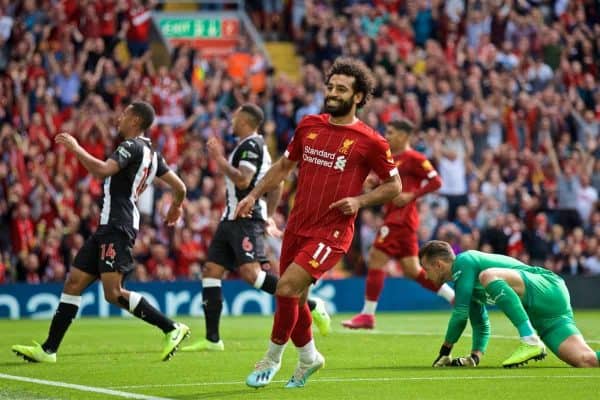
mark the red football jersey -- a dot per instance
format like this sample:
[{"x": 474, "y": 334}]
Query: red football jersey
[
  {"x": 414, "y": 168},
  {"x": 333, "y": 162}
]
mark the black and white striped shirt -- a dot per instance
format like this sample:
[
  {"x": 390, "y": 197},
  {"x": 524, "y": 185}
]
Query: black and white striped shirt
[
  {"x": 139, "y": 164},
  {"x": 251, "y": 152}
]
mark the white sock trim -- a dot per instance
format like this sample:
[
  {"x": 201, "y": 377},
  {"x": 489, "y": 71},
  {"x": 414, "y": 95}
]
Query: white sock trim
[
  {"x": 275, "y": 351},
  {"x": 260, "y": 279},
  {"x": 446, "y": 292},
  {"x": 134, "y": 300},
  {"x": 211, "y": 282},
  {"x": 369, "y": 307},
  {"x": 70, "y": 299},
  {"x": 308, "y": 352}
]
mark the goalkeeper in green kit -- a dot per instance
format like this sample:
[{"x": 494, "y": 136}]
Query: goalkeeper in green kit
[{"x": 533, "y": 298}]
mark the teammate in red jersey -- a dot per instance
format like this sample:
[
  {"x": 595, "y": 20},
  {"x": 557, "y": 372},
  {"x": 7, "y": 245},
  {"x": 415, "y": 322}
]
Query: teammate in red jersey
[
  {"x": 334, "y": 153},
  {"x": 397, "y": 238}
]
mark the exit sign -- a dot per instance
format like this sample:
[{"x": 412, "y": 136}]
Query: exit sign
[{"x": 199, "y": 28}]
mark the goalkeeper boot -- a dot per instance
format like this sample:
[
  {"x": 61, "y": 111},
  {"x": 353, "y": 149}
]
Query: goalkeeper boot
[
  {"x": 173, "y": 339},
  {"x": 320, "y": 317},
  {"x": 264, "y": 372},
  {"x": 34, "y": 353},
  {"x": 205, "y": 345},
  {"x": 524, "y": 353},
  {"x": 304, "y": 371},
  {"x": 360, "y": 321}
]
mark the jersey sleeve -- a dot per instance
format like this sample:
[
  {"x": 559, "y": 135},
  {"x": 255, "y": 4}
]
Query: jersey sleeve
[
  {"x": 380, "y": 159},
  {"x": 162, "y": 167},
  {"x": 464, "y": 282},
  {"x": 125, "y": 153},
  {"x": 423, "y": 169},
  {"x": 250, "y": 155},
  {"x": 480, "y": 324}
]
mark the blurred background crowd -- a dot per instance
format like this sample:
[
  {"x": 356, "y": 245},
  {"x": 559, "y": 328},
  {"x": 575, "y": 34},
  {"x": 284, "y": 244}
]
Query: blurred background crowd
[{"x": 505, "y": 95}]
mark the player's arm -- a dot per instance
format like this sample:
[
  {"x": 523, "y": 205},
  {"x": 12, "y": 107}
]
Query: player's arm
[
  {"x": 242, "y": 176},
  {"x": 273, "y": 198},
  {"x": 96, "y": 167},
  {"x": 272, "y": 179},
  {"x": 460, "y": 314},
  {"x": 432, "y": 183},
  {"x": 165, "y": 174},
  {"x": 381, "y": 162}
]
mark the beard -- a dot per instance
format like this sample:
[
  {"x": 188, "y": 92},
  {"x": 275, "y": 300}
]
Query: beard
[{"x": 342, "y": 108}]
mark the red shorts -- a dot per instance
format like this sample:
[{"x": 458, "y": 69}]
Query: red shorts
[
  {"x": 397, "y": 241},
  {"x": 316, "y": 256}
]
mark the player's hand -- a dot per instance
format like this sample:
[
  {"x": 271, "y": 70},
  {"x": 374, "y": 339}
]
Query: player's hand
[
  {"x": 66, "y": 140},
  {"x": 244, "y": 207},
  {"x": 173, "y": 214},
  {"x": 347, "y": 205},
  {"x": 444, "y": 359},
  {"x": 272, "y": 230},
  {"x": 214, "y": 147},
  {"x": 471, "y": 360},
  {"x": 403, "y": 199}
]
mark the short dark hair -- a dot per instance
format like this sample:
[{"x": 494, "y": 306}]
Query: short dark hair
[
  {"x": 145, "y": 111},
  {"x": 364, "y": 82},
  {"x": 403, "y": 125},
  {"x": 435, "y": 249},
  {"x": 254, "y": 112}
]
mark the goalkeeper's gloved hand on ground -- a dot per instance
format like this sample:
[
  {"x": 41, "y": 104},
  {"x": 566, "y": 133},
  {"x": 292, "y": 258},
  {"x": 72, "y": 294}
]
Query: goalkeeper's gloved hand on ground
[
  {"x": 444, "y": 359},
  {"x": 471, "y": 360}
]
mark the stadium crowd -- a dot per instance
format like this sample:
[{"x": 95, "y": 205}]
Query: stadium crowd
[{"x": 505, "y": 95}]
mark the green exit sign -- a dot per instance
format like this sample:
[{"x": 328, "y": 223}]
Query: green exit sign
[{"x": 210, "y": 28}]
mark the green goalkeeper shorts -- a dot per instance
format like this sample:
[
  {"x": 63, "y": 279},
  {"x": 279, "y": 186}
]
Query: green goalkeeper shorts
[{"x": 548, "y": 305}]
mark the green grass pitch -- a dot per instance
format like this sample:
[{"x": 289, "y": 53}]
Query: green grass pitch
[{"x": 391, "y": 362}]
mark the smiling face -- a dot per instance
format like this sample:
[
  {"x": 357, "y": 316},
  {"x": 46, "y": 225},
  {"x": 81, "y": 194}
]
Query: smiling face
[{"x": 340, "y": 98}]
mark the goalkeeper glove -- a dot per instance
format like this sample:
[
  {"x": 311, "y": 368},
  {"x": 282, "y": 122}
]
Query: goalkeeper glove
[
  {"x": 444, "y": 359},
  {"x": 467, "y": 361}
]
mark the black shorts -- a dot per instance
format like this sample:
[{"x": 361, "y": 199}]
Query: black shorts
[
  {"x": 107, "y": 250},
  {"x": 237, "y": 242}
]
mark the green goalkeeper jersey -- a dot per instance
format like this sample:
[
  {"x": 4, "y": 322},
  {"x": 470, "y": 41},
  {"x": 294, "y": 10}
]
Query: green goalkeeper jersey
[{"x": 471, "y": 297}]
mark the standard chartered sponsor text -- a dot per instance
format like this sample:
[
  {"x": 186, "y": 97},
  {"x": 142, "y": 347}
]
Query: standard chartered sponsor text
[{"x": 318, "y": 157}]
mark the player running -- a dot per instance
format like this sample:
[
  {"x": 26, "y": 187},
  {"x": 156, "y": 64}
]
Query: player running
[
  {"x": 107, "y": 254},
  {"x": 334, "y": 153},
  {"x": 397, "y": 237},
  {"x": 534, "y": 299},
  {"x": 238, "y": 244}
]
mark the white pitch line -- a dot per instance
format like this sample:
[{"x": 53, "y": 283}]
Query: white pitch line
[
  {"x": 390, "y": 379},
  {"x": 406, "y": 333},
  {"x": 81, "y": 387}
]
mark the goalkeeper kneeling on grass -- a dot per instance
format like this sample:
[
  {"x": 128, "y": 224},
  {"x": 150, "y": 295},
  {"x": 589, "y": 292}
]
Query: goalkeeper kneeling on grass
[{"x": 534, "y": 299}]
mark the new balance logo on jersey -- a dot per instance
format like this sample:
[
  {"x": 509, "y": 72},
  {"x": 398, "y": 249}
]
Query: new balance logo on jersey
[{"x": 340, "y": 163}]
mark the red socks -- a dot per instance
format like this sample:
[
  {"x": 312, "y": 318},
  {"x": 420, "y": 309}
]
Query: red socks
[
  {"x": 286, "y": 316},
  {"x": 426, "y": 283},
  {"x": 375, "y": 280},
  {"x": 302, "y": 332}
]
